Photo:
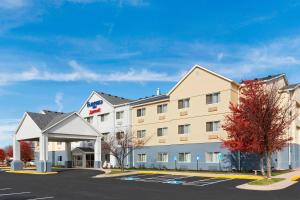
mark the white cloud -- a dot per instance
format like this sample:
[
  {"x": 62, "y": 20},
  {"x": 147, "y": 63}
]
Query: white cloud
[
  {"x": 7, "y": 128},
  {"x": 13, "y": 4},
  {"x": 58, "y": 101},
  {"x": 79, "y": 73}
]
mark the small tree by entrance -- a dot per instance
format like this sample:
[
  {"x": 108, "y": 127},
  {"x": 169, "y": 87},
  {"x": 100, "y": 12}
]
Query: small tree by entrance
[
  {"x": 121, "y": 145},
  {"x": 26, "y": 151},
  {"x": 259, "y": 123},
  {"x": 2, "y": 156}
]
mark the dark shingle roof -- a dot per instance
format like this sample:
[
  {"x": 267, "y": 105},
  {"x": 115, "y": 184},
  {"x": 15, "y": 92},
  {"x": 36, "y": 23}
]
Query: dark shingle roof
[
  {"x": 290, "y": 87},
  {"x": 270, "y": 77},
  {"x": 85, "y": 149},
  {"x": 48, "y": 118},
  {"x": 114, "y": 100},
  {"x": 149, "y": 99}
]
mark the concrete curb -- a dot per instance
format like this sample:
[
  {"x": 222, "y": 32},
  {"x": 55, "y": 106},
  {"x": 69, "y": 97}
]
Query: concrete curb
[
  {"x": 31, "y": 172},
  {"x": 208, "y": 175},
  {"x": 276, "y": 186}
]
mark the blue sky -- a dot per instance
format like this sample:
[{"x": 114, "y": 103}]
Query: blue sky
[{"x": 53, "y": 53}]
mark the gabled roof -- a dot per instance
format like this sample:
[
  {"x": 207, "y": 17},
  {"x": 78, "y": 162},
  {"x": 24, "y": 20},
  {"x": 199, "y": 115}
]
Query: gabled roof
[
  {"x": 291, "y": 87},
  {"x": 202, "y": 68},
  {"x": 149, "y": 99},
  {"x": 47, "y": 118},
  {"x": 113, "y": 100}
]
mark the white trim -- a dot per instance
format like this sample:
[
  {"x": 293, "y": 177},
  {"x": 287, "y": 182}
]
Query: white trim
[
  {"x": 75, "y": 113},
  {"x": 202, "y": 68}
]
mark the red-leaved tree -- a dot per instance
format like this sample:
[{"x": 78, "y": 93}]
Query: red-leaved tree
[
  {"x": 2, "y": 155},
  {"x": 27, "y": 153},
  {"x": 259, "y": 123}
]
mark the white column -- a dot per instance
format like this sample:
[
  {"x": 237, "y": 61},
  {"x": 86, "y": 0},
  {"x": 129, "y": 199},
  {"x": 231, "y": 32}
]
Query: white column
[
  {"x": 68, "y": 161},
  {"x": 97, "y": 152},
  {"x": 43, "y": 165},
  {"x": 16, "y": 163},
  {"x": 16, "y": 149},
  {"x": 44, "y": 148}
]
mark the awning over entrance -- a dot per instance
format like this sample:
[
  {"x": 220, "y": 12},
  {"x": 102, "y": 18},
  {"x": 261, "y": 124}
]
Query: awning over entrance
[{"x": 54, "y": 126}]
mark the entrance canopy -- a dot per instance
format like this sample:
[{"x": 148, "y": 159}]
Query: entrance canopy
[
  {"x": 62, "y": 127},
  {"x": 54, "y": 126}
]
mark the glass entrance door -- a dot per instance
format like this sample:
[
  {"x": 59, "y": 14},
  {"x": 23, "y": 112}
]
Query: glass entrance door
[{"x": 77, "y": 160}]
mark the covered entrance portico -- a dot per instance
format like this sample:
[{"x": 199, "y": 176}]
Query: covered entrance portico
[{"x": 51, "y": 126}]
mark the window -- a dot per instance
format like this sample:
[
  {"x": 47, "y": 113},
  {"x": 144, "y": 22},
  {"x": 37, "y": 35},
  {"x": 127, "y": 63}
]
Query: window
[
  {"x": 141, "y": 112},
  {"x": 120, "y": 135},
  {"x": 141, "y": 133},
  {"x": 59, "y": 143},
  {"x": 184, "y": 129},
  {"x": 162, "y": 131},
  {"x": 59, "y": 158},
  {"x": 184, "y": 157},
  {"x": 213, "y": 98},
  {"x": 183, "y": 103},
  {"x": 212, "y": 157},
  {"x": 142, "y": 157},
  {"x": 212, "y": 126},
  {"x": 162, "y": 157},
  {"x": 162, "y": 108},
  {"x": 89, "y": 120},
  {"x": 119, "y": 115},
  {"x": 103, "y": 117}
]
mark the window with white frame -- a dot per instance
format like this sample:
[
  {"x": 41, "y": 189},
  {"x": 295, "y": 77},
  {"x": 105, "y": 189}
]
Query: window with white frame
[
  {"x": 89, "y": 120},
  {"x": 141, "y": 133},
  {"x": 212, "y": 126},
  {"x": 162, "y": 108},
  {"x": 119, "y": 115},
  {"x": 142, "y": 157},
  {"x": 184, "y": 129},
  {"x": 103, "y": 117},
  {"x": 162, "y": 157},
  {"x": 212, "y": 157},
  {"x": 141, "y": 112},
  {"x": 183, "y": 103},
  {"x": 213, "y": 98},
  {"x": 184, "y": 157},
  {"x": 162, "y": 131}
]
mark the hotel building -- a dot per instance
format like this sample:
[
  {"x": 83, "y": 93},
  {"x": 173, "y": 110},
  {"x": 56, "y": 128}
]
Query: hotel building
[{"x": 182, "y": 127}]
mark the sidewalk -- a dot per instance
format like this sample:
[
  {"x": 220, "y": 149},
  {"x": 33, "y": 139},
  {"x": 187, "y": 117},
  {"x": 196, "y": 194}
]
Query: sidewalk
[{"x": 290, "y": 179}]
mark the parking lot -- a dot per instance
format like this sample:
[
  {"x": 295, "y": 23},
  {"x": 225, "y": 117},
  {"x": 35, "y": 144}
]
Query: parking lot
[
  {"x": 79, "y": 185},
  {"x": 175, "y": 180}
]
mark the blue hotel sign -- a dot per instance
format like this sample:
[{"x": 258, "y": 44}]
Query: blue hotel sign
[{"x": 94, "y": 104}]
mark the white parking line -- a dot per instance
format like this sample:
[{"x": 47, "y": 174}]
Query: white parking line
[
  {"x": 214, "y": 182},
  {"x": 41, "y": 198},
  {"x": 200, "y": 181},
  {"x": 17, "y": 193},
  {"x": 2, "y": 189}
]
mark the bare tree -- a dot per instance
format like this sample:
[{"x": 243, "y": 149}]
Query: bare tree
[{"x": 122, "y": 144}]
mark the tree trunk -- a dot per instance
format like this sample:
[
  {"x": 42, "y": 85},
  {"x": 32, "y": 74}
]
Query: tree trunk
[
  {"x": 262, "y": 170},
  {"x": 269, "y": 165}
]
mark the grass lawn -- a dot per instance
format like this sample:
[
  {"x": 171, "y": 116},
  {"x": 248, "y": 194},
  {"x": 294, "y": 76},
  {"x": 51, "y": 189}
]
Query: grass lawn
[
  {"x": 118, "y": 171},
  {"x": 266, "y": 181}
]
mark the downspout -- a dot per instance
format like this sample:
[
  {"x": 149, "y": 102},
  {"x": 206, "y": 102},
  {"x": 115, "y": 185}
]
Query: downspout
[
  {"x": 239, "y": 152},
  {"x": 289, "y": 144}
]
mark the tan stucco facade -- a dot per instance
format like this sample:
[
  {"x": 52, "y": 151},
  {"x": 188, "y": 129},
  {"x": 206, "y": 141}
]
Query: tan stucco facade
[{"x": 195, "y": 85}]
